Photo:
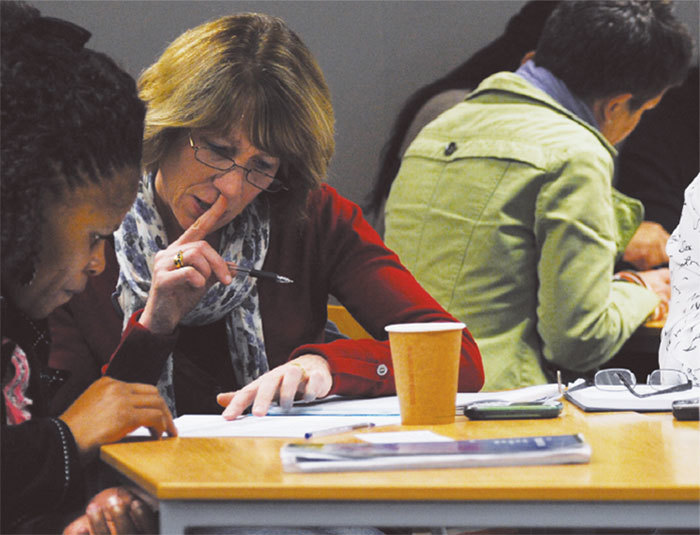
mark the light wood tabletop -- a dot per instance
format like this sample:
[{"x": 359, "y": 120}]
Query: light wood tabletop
[
  {"x": 636, "y": 457},
  {"x": 655, "y": 324}
]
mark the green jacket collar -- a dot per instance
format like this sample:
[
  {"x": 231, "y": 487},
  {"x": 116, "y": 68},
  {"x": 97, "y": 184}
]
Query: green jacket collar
[{"x": 508, "y": 82}]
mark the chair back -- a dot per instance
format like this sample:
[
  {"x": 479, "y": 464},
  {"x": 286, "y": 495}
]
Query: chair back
[{"x": 346, "y": 324}]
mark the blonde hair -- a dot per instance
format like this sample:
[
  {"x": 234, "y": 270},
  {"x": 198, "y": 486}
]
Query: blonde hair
[{"x": 249, "y": 71}]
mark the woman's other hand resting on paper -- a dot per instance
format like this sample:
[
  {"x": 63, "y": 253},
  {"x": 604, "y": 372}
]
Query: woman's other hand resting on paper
[
  {"x": 114, "y": 511},
  {"x": 109, "y": 409},
  {"x": 307, "y": 377}
]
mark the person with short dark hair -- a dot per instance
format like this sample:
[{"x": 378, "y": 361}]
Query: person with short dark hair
[
  {"x": 70, "y": 141},
  {"x": 504, "y": 208}
]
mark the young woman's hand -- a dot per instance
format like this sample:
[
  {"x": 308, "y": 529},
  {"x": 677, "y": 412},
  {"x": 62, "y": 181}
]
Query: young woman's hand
[
  {"x": 177, "y": 290},
  {"x": 307, "y": 377},
  {"x": 115, "y": 511},
  {"x": 109, "y": 410}
]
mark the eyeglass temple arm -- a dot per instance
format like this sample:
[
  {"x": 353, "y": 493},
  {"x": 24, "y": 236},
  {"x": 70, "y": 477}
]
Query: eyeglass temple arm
[{"x": 677, "y": 388}]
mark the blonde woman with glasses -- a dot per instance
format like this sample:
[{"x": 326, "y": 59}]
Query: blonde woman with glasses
[{"x": 228, "y": 257}]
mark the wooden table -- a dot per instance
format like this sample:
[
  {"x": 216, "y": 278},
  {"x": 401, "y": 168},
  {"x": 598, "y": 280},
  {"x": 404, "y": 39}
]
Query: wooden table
[
  {"x": 655, "y": 326},
  {"x": 644, "y": 473}
]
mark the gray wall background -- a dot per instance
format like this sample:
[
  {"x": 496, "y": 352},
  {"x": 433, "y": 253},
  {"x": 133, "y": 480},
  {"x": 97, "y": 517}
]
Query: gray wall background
[{"x": 374, "y": 54}]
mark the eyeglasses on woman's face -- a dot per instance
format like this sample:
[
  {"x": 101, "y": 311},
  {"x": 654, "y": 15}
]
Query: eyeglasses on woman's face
[
  {"x": 660, "y": 381},
  {"x": 216, "y": 160}
]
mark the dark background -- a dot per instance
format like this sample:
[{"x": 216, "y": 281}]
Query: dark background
[{"x": 374, "y": 53}]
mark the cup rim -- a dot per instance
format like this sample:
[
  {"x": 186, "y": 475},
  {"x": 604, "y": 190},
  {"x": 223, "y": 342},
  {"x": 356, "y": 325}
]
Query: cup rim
[{"x": 437, "y": 326}]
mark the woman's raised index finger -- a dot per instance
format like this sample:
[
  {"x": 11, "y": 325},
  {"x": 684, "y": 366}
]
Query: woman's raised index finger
[{"x": 205, "y": 223}]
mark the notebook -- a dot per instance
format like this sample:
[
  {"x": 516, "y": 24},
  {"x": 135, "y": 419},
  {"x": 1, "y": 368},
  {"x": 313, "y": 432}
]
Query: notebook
[
  {"x": 514, "y": 451},
  {"x": 592, "y": 399}
]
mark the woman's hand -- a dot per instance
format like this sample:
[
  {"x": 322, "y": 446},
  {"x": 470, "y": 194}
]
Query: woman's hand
[
  {"x": 308, "y": 377},
  {"x": 647, "y": 248},
  {"x": 109, "y": 410},
  {"x": 177, "y": 290},
  {"x": 113, "y": 511}
]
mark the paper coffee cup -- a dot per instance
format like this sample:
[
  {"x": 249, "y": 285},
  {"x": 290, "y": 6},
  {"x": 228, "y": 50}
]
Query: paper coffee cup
[{"x": 426, "y": 368}]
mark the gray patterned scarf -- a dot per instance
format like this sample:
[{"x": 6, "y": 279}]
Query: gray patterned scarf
[{"x": 244, "y": 241}]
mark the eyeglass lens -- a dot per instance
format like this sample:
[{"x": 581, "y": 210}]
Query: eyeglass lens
[
  {"x": 222, "y": 163},
  {"x": 615, "y": 379},
  {"x": 664, "y": 378}
]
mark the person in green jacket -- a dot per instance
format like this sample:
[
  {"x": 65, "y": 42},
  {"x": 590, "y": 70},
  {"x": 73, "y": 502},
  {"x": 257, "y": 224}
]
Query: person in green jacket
[{"x": 504, "y": 209}]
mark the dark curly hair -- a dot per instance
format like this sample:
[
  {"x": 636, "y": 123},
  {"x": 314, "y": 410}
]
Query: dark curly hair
[{"x": 70, "y": 117}]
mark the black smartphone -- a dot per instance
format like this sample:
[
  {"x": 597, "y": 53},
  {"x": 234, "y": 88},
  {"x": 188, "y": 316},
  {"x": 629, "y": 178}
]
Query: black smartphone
[
  {"x": 512, "y": 411},
  {"x": 686, "y": 409}
]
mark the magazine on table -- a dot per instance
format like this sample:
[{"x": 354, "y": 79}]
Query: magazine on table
[{"x": 514, "y": 451}]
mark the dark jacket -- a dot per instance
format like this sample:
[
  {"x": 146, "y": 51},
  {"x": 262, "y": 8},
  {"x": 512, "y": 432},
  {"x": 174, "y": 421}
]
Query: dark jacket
[{"x": 42, "y": 477}]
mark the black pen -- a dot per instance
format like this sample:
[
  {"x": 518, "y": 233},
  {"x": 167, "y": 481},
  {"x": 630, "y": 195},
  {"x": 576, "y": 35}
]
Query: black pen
[{"x": 259, "y": 273}]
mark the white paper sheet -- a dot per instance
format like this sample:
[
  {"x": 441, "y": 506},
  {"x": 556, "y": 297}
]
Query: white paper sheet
[
  {"x": 395, "y": 437},
  {"x": 593, "y": 399},
  {"x": 212, "y": 425},
  {"x": 322, "y": 414},
  {"x": 389, "y": 405}
]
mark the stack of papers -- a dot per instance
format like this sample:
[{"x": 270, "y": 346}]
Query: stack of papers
[
  {"x": 338, "y": 457},
  {"x": 593, "y": 399},
  {"x": 334, "y": 411}
]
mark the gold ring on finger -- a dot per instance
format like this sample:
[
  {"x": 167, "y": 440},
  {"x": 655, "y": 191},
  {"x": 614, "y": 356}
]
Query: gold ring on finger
[
  {"x": 304, "y": 375},
  {"x": 178, "y": 260}
]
